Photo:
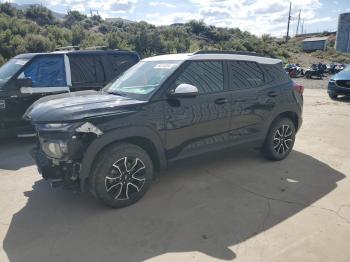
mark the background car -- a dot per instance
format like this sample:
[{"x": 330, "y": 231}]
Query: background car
[
  {"x": 28, "y": 77},
  {"x": 339, "y": 84},
  {"x": 314, "y": 71}
]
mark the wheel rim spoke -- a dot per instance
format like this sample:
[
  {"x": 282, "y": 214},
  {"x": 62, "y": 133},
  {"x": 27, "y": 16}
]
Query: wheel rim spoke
[
  {"x": 283, "y": 139},
  {"x": 126, "y": 178}
]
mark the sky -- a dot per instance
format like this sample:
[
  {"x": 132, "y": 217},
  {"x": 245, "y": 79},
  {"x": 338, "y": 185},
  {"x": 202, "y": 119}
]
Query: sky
[{"x": 256, "y": 16}]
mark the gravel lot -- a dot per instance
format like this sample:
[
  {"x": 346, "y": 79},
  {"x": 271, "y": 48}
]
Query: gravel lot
[
  {"x": 228, "y": 206},
  {"x": 314, "y": 83}
]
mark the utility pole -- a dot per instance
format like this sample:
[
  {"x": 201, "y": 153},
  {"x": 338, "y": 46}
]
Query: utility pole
[
  {"x": 290, "y": 8},
  {"x": 298, "y": 22},
  {"x": 302, "y": 27}
]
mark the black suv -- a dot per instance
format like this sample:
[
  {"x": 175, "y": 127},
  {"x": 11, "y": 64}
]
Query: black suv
[
  {"x": 28, "y": 77},
  {"x": 163, "y": 109}
]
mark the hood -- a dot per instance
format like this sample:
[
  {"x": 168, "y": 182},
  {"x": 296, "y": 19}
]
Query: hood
[
  {"x": 343, "y": 75},
  {"x": 75, "y": 106}
]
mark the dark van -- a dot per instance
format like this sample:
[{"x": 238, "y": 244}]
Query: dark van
[{"x": 28, "y": 77}]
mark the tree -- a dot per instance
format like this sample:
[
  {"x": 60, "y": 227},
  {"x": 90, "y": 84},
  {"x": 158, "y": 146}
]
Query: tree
[
  {"x": 40, "y": 14},
  {"x": 78, "y": 34},
  {"x": 7, "y": 8},
  {"x": 196, "y": 27},
  {"x": 72, "y": 18}
]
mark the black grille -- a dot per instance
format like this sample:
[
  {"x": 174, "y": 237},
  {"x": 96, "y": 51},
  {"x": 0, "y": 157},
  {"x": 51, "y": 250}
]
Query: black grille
[{"x": 343, "y": 83}]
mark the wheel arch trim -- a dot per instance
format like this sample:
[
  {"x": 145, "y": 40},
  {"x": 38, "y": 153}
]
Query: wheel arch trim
[
  {"x": 115, "y": 136},
  {"x": 295, "y": 116}
]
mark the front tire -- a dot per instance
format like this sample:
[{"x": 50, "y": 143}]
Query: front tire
[
  {"x": 333, "y": 95},
  {"x": 121, "y": 175},
  {"x": 280, "y": 139}
]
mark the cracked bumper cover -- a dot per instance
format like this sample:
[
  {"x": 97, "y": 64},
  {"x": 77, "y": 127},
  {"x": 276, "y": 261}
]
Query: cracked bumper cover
[{"x": 65, "y": 166}]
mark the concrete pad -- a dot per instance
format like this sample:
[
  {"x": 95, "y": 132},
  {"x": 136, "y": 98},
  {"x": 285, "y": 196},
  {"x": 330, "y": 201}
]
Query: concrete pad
[{"x": 231, "y": 205}]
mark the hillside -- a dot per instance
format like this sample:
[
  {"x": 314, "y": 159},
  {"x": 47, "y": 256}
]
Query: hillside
[
  {"x": 37, "y": 29},
  {"x": 24, "y": 7}
]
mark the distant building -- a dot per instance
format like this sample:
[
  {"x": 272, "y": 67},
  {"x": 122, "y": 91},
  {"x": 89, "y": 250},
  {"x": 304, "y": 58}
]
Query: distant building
[
  {"x": 314, "y": 44},
  {"x": 342, "y": 44}
]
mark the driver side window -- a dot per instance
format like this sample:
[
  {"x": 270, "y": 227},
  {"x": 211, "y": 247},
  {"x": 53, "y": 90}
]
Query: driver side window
[
  {"x": 207, "y": 76},
  {"x": 46, "y": 72}
]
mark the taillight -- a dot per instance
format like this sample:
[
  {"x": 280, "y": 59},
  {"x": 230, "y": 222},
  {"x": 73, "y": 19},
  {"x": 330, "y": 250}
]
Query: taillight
[{"x": 298, "y": 88}]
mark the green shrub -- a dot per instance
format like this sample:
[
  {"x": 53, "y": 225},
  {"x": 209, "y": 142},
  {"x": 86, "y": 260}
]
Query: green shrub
[
  {"x": 38, "y": 43},
  {"x": 2, "y": 60}
]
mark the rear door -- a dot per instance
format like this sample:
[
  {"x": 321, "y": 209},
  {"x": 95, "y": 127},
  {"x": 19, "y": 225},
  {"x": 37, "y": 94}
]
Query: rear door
[
  {"x": 195, "y": 125},
  {"x": 87, "y": 72},
  {"x": 249, "y": 102}
]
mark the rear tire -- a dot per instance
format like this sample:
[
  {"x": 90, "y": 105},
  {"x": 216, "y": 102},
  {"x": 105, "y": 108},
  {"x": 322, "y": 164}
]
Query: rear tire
[
  {"x": 280, "y": 139},
  {"x": 121, "y": 175}
]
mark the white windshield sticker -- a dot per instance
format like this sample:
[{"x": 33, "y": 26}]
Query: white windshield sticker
[
  {"x": 21, "y": 62},
  {"x": 164, "y": 66}
]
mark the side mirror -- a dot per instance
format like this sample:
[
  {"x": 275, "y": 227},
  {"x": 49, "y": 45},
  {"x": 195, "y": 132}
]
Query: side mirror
[
  {"x": 184, "y": 91},
  {"x": 24, "y": 82}
]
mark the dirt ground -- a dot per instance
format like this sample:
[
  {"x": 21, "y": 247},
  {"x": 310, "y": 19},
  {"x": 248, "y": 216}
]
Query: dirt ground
[
  {"x": 314, "y": 83},
  {"x": 233, "y": 205}
]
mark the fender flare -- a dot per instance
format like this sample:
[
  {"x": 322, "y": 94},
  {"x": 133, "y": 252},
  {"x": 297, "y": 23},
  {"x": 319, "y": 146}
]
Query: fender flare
[
  {"x": 114, "y": 136},
  {"x": 284, "y": 110}
]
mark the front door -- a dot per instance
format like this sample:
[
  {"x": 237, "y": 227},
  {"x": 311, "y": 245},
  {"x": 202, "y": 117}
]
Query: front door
[
  {"x": 48, "y": 77},
  {"x": 195, "y": 125}
]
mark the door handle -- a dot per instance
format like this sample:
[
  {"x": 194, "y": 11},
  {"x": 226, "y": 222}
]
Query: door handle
[
  {"x": 221, "y": 101},
  {"x": 272, "y": 94}
]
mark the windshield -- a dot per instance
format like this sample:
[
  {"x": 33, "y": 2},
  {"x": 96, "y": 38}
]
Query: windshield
[
  {"x": 142, "y": 79},
  {"x": 11, "y": 68}
]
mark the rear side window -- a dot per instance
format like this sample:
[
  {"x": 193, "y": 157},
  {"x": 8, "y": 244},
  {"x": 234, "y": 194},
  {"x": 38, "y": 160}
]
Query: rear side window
[
  {"x": 46, "y": 71},
  {"x": 243, "y": 75},
  {"x": 206, "y": 76},
  {"x": 275, "y": 73},
  {"x": 86, "y": 69},
  {"x": 120, "y": 63}
]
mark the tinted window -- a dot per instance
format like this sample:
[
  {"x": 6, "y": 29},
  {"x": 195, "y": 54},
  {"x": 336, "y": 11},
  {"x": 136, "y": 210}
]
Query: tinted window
[
  {"x": 206, "y": 76},
  {"x": 86, "y": 69},
  {"x": 243, "y": 74},
  {"x": 120, "y": 63},
  {"x": 46, "y": 72},
  {"x": 275, "y": 73}
]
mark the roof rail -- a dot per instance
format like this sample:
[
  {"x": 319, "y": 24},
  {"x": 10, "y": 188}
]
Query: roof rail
[
  {"x": 231, "y": 53},
  {"x": 98, "y": 47},
  {"x": 67, "y": 48}
]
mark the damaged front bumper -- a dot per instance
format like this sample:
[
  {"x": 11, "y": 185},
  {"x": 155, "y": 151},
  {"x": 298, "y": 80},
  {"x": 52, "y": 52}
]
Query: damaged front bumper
[{"x": 60, "y": 150}]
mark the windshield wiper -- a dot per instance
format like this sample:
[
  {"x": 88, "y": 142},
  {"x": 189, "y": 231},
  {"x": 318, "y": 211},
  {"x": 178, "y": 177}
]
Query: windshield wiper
[{"x": 114, "y": 93}]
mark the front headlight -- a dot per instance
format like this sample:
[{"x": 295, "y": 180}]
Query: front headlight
[
  {"x": 56, "y": 125},
  {"x": 54, "y": 149},
  {"x": 53, "y": 126}
]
